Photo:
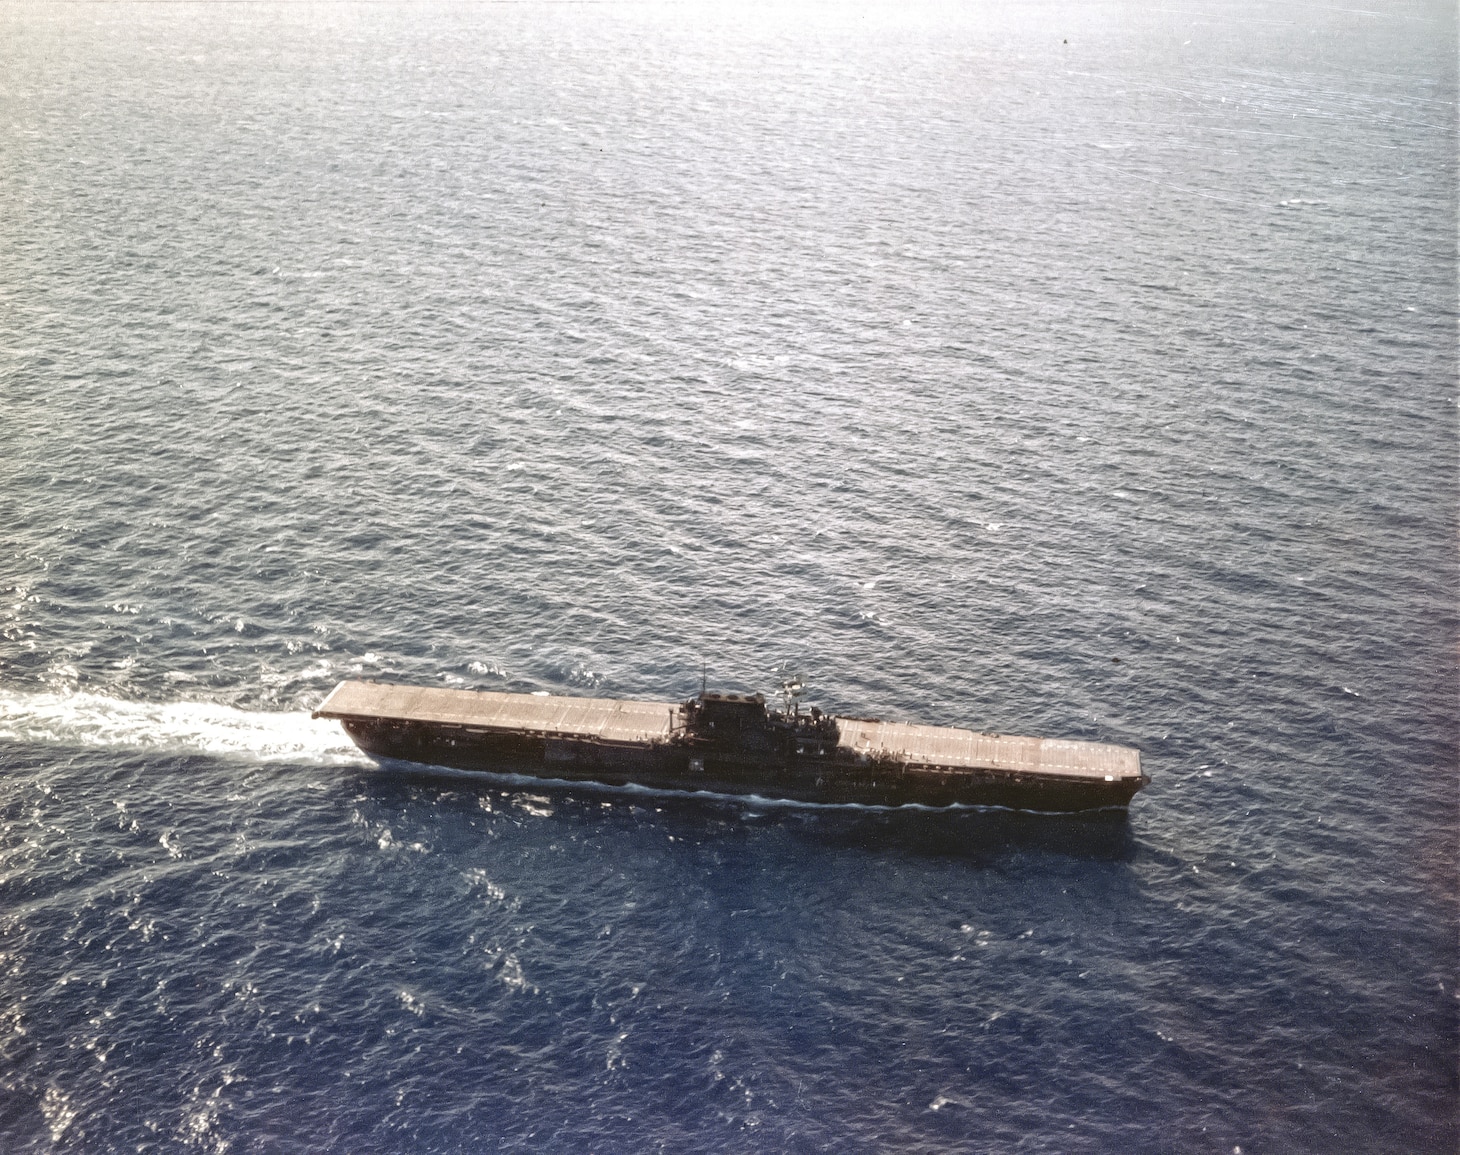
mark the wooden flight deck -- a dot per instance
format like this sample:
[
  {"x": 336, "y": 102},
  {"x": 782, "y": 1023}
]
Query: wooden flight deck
[{"x": 649, "y": 724}]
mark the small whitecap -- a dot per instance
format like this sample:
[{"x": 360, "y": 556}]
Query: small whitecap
[
  {"x": 510, "y": 972},
  {"x": 534, "y": 805},
  {"x": 411, "y": 1003}
]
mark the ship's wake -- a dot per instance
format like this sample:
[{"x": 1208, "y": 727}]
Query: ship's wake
[{"x": 94, "y": 720}]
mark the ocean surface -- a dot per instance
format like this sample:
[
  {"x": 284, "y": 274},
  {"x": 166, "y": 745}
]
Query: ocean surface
[{"x": 1076, "y": 369}]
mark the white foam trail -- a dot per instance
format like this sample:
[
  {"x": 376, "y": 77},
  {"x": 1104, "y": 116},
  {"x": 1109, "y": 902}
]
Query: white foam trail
[{"x": 82, "y": 719}]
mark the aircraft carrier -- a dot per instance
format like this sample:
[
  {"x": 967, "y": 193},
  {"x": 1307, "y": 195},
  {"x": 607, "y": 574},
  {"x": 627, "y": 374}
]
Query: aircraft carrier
[{"x": 729, "y": 743}]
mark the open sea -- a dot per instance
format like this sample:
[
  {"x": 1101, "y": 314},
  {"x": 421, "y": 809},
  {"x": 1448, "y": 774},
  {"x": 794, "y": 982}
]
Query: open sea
[{"x": 1080, "y": 369}]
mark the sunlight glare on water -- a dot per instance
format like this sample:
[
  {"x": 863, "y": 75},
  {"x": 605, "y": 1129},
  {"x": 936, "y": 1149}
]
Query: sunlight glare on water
[{"x": 1080, "y": 370}]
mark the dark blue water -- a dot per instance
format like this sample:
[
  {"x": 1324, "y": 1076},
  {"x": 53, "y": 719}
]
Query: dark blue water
[{"x": 1078, "y": 370}]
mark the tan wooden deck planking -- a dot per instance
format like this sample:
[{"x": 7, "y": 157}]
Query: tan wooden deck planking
[
  {"x": 947, "y": 746},
  {"x": 605, "y": 718},
  {"x": 612, "y": 720}
]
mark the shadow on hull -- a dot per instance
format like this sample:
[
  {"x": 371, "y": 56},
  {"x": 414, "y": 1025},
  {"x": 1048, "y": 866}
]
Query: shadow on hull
[{"x": 959, "y": 831}]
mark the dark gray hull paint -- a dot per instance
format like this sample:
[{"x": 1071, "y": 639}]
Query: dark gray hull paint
[{"x": 668, "y": 766}]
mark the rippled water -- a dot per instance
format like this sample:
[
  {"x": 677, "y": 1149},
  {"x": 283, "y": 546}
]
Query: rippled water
[{"x": 1081, "y": 370}]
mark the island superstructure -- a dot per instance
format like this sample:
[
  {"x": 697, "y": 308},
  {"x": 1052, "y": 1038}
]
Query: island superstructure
[{"x": 730, "y": 743}]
